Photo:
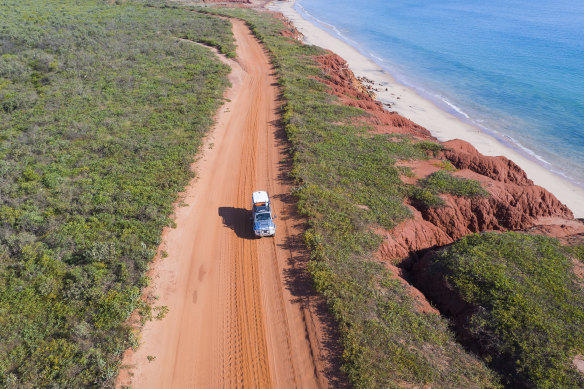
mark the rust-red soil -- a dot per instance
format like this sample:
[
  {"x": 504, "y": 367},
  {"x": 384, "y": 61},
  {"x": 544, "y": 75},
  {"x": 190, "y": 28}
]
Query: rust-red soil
[{"x": 240, "y": 312}]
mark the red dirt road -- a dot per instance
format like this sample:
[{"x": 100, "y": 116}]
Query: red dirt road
[{"x": 235, "y": 316}]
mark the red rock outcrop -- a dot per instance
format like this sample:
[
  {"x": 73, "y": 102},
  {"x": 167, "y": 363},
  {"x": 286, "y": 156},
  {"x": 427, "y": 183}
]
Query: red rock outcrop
[
  {"x": 509, "y": 206},
  {"x": 514, "y": 202},
  {"x": 464, "y": 156},
  {"x": 569, "y": 232},
  {"x": 351, "y": 92},
  {"x": 412, "y": 235}
]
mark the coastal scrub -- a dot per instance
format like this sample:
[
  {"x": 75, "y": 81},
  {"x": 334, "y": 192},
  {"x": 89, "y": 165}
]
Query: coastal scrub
[
  {"x": 102, "y": 109},
  {"x": 529, "y": 305},
  {"x": 442, "y": 181}
]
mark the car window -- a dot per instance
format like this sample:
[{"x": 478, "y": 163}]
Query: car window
[{"x": 263, "y": 216}]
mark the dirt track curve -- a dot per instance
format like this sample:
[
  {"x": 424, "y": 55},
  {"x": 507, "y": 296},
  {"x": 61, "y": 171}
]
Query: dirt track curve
[{"x": 237, "y": 317}]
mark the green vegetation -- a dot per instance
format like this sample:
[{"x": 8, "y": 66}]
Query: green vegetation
[
  {"x": 102, "y": 109},
  {"x": 530, "y": 307},
  {"x": 578, "y": 252},
  {"x": 444, "y": 182},
  {"x": 347, "y": 184}
]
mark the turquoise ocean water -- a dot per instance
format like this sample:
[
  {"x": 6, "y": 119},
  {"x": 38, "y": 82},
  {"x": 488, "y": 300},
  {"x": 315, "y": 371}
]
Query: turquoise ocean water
[{"x": 515, "y": 68}]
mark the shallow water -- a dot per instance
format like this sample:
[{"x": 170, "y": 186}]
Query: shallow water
[{"x": 515, "y": 68}]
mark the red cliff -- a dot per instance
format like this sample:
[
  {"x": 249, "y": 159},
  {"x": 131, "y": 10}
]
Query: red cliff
[{"x": 514, "y": 202}]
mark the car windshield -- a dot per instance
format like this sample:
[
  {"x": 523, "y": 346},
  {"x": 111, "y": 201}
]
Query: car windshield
[{"x": 262, "y": 216}]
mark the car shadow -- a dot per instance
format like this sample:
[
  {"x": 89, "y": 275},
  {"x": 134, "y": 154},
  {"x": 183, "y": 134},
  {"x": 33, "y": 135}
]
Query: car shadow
[{"x": 239, "y": 220}]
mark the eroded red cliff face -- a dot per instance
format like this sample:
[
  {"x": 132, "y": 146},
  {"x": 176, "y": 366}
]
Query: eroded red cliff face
[
  {"x": 464, "y": 156},
  {"x": 351, "y": 92},
  {"x": 514, "y": 203}
]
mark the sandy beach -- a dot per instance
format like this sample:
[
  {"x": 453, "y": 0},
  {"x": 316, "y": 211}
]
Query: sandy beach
[{"x": 440, "y": 123}]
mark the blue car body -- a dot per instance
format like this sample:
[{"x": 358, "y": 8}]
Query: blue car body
[
  {"x": 264, "y": 228},
  {"x": 263, "y": 220}
]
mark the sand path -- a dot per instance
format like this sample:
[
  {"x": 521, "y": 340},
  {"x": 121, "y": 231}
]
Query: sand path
[{"x": 240, "y": 314}]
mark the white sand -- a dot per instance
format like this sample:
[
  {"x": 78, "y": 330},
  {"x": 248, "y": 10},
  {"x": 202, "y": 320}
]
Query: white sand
[{"x": 441, "y": 124}]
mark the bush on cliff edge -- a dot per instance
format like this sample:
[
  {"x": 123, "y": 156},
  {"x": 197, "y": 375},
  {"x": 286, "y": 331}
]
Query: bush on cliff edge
[{"x": 529, "y": 305}]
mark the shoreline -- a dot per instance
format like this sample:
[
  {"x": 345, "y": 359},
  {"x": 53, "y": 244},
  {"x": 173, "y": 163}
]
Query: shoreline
[{"x": 441, "y": 124}]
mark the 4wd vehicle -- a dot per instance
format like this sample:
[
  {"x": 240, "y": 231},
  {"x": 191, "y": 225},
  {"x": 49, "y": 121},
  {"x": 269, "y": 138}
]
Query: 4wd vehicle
[{"x": 261, "y": 209}]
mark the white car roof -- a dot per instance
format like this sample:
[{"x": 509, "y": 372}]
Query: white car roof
[{"x": 260, "y": 197}]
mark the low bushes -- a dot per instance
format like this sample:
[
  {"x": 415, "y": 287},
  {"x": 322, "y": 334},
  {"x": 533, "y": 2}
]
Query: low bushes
[
  {"x": 443, "y": 181},
  {"x": 102, "y": 110},
  {"x": 529, "y": 305}
]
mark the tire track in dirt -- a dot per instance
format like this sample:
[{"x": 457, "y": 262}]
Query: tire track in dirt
[{"x": 233, "y": 321}]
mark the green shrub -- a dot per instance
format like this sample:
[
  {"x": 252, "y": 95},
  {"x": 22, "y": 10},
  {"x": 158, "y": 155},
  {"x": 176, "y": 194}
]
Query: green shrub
[
  {"x": 529, "y": 305},
  {"x": 443, "y": 181},
  {"x": 425, "y": 197}
]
